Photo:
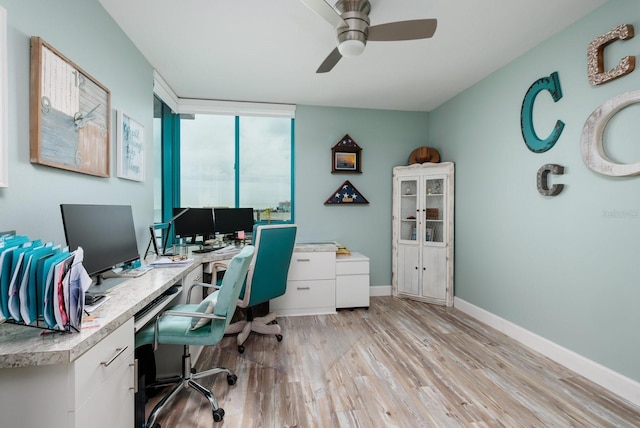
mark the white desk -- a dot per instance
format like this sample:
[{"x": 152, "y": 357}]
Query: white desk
[{"x": 63, "y": 380}]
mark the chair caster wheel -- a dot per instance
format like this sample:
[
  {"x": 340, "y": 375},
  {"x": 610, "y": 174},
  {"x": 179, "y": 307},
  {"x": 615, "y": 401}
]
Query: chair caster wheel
[
  {"x": 193, "y": 371},
  {"x": 241, "y": 349},
  {"x": 279, "y": 337},
  {"x": 218, "y": 414},
  {"x": 232, "y": 379}
]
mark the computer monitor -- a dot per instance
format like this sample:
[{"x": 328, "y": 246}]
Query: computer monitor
[
  {"x": 232, "y": 220},
  {"x": 106, "y": 233},
  {"x": 193, "y": 223}
]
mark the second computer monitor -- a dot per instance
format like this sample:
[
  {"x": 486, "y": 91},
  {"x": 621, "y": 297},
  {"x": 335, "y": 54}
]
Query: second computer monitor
[
  {"x": 232, "y": 220},
  {"x": 193, "y": 223}
]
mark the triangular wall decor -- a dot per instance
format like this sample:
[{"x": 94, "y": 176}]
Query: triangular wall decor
[{"x": 346, "y": 194}]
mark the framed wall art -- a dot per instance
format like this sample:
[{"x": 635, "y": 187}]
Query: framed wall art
[
  {"x": 130, "y": 148},
  {"x": 70, "y": 114},
  {"x": 346, "y": 156}
]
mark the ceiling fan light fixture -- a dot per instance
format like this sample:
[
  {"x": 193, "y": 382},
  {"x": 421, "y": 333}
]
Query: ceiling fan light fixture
[{"x": 351, "y": 47}]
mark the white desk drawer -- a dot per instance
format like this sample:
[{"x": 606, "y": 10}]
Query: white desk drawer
[
  {"x": 305, "y": 266},
  {"x": 91, "y": 369},
  {"x": 352, "y": 268},
  {"x": 352, "y": 291},
  {"x": 306, "y": 294}
]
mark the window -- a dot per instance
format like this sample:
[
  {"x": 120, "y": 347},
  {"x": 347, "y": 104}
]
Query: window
[{"x": 237, "y": 161}]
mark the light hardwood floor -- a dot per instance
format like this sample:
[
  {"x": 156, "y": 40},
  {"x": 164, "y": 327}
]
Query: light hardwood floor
[{"x": 399, "y": 364}]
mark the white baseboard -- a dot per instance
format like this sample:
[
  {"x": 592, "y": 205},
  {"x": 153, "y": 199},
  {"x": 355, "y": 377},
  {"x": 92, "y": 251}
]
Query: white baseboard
[
  {"x": 380, "y": 290},
  {"x": 621, "y": 385}
]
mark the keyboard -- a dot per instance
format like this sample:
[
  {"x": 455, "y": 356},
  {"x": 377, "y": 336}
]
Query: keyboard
[
  {"x": 204, "y": 250},
  {"x": 154, "y": 303},
  {"x": 133, "y": 273}
]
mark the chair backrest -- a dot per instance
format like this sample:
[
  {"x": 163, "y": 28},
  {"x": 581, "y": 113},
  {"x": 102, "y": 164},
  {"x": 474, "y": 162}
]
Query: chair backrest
[
  {"x": 267, "y": 277},
  {"x": 232, "y": 283}
]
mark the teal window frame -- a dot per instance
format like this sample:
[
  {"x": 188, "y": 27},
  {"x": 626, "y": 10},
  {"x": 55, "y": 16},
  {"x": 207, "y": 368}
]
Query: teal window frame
[{"x": 171, "y": 166}]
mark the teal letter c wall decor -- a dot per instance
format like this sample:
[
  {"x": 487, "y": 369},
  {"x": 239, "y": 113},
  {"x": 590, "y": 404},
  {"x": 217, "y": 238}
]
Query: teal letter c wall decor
[{"x": 535, "y": 144}]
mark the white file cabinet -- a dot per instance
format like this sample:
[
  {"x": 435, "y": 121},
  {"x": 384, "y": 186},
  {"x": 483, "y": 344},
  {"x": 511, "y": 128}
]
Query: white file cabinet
[
  {"x": 352, "y": 281},
  {"x": 311, "y": 285},
  {"x": 96, "y": 390}
]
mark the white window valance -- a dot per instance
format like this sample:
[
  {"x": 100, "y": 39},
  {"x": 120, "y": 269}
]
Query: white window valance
[{"x": 229, "y": 108}]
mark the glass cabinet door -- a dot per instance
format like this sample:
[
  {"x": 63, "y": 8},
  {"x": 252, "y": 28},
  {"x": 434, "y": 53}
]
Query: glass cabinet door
[
  {"x": 434, "y": 205},
  {"x": 408, "y": 209}
]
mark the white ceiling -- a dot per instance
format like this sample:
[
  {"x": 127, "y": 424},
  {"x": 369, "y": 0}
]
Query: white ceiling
[{"x": 269, "y": 50}]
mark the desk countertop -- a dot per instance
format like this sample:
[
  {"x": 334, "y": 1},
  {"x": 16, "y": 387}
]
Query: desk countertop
[{"x": 22, "y": 346}]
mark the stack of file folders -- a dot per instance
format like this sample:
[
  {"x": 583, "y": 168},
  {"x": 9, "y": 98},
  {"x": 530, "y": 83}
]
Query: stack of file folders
[{"x": 41, "y": 284}]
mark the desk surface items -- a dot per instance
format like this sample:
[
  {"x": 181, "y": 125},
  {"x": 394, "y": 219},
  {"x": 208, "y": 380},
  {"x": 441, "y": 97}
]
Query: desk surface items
[{"x": 41, "y": 284}]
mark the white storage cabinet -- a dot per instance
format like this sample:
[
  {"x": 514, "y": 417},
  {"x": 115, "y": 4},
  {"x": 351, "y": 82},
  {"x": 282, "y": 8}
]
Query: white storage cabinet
[
  {"x": 422, "y": 253},
  {"x": 311, "y": 285},
  {"x": 352, "y": 281}
]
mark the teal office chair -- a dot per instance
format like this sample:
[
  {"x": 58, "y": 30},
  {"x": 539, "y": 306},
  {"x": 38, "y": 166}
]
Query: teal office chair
[
  {"x": 266, "y": 280},
  {"x": 198, "y": 324}
]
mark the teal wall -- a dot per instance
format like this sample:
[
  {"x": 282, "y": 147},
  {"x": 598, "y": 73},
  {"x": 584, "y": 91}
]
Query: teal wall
[
  {"x": 564, "y": 267},
  {"x": 386, "y": 138},
  {"x": 86, "y": 34}
]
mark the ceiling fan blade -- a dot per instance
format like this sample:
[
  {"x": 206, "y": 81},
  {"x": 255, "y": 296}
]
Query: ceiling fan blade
[
  {"x": 325, "y": 11},
  {"x": 403, "y": 30},
  {"x": 330, "y": 61}
]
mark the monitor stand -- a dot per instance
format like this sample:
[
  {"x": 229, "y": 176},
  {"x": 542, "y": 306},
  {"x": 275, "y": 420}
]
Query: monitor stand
[{"x": 105, "y": 282}]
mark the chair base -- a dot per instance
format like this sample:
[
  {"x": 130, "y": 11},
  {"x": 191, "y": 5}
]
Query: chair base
[
  {"x": 261, "y": 325},
  {"x": 187, "y": 380}
]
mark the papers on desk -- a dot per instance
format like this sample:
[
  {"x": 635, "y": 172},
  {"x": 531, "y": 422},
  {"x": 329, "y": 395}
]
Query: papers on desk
[
  {"x": 41, "y": 284},
  {"x": 229, "y": 249},
  {"x": 170, "y": 262}
]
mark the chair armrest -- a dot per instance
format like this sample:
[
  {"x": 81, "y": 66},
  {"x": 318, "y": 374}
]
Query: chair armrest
[
  {"x": 200, "y": 284},
  {"x": 180, "y": 314}
]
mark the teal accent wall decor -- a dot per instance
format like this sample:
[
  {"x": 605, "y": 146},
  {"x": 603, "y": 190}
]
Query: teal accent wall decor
[{"x": 531, "y": 139}]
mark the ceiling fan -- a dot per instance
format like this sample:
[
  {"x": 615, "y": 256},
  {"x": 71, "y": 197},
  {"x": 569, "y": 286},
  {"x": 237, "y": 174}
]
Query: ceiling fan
[{"x": 350, "y": 18}]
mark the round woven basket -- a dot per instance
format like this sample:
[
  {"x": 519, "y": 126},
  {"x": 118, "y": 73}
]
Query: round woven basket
[{"x": 424, "y": 154}]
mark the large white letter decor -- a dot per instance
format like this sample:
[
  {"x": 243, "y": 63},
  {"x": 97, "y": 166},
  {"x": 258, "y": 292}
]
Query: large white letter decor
[{"x": 591, "y": 144}]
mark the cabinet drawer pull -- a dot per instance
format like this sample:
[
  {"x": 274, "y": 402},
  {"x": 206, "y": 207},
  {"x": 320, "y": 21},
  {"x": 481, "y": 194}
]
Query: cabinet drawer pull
[
  {"x": 119, "y": 352},
  {"x": 135, "y": 376},
  {"x": 303, "y": 260},
  {"x": 303, "y": 288}
]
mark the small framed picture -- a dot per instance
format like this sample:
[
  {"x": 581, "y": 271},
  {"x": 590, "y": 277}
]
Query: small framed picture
[
  {"x": 346, "y": 157},
  {"x": 428, "y": 234},
  {"x": 130, "y": 148},
  {"x": 345, "y": 161}
]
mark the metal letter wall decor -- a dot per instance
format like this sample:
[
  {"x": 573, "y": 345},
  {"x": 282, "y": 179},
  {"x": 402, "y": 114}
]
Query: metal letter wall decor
[
  {"x": 595, "y": 56},
  {"x": 535, "y": 144},
  {"x": 543, "y": 179}
]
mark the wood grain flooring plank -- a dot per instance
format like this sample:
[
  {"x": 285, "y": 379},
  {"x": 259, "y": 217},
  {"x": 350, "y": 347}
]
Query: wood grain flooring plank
[{"x": 399, "y": 364}]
